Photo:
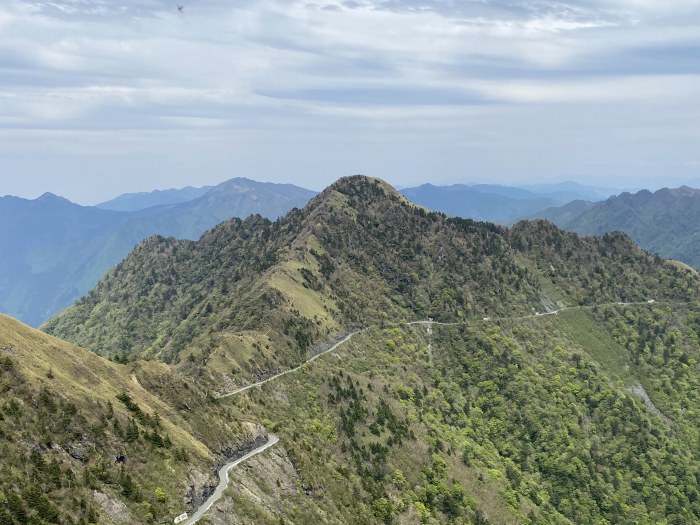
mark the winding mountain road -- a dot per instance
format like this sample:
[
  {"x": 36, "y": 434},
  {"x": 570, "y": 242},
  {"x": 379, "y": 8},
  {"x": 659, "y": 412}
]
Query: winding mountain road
[
  {"x": 411, "y": 323},
  {"x": 276, "y": 376},
  {"x": 223, "y": 479},
  {"x": 540, "y": 314},
  {"x": 273, "y": 439},
  {"x": 421, "y": 323}
]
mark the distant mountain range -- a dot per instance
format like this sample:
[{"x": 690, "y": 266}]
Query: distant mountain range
[
  {"x": 666, "y": 222},
  {"x": 571, "y": 191},
  {"x": 56, "y": 250},
  {"x": 143, "y": 200},
  {"x": 500, "y": 204}
]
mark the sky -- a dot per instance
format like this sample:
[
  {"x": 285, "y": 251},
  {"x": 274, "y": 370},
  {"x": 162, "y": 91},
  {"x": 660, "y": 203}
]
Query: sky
[{"x": 102, "y": 97}]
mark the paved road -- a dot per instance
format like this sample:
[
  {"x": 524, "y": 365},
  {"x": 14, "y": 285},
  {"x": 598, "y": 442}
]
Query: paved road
[
  {"x": 272, "y": 378},
  {"x": 272, "y": 439},
  {"x": 422, "y": 323},
  {"x": 432, "y": 322},
  {"x": 579, "y": 307},
  {"x": 223, "y": 479},
  {"x": 539, "y": 314}
]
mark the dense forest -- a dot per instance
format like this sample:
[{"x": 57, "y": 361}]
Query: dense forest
[{"x": 664, "y": 222}]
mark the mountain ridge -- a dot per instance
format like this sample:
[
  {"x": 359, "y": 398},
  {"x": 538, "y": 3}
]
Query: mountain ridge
[
  {"x": 146, "y": 199},
  {"x": 360, "y": 231},
  {"x": 500, "y": 415},
  {"x": 664, "y": 221},
  {"x": 61, "y": 249}
]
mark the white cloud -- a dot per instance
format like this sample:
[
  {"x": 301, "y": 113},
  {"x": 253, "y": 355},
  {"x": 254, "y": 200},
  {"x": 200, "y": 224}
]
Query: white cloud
[
  {"x": 658, "y": 90},
  {"x": 468, "y": 72}
]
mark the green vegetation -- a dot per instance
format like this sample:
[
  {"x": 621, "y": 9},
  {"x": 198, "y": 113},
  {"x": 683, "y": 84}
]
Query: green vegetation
[
  {"x": 662, "y": 343},
  {"x": 584, "y": 331},
  {"x": 511, "y": 424},
  {"x": 664, "y": 222},
  {"x": 359, "y": 254},
  {"x": 73, "y": 424},
  {"x": 516, "y": 418}
]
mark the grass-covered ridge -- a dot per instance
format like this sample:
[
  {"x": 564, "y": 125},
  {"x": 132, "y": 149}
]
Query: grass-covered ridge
[{"x": 86, "y": 440}]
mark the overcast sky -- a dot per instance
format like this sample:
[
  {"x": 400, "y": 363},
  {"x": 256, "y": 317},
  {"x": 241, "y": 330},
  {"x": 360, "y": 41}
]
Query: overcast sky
[{"x": 100, "y": 97}]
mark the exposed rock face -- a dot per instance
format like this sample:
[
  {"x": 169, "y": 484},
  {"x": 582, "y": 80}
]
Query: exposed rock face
[
  {"x": 199, "y": 489},
  {"x": 80, "y": 450},
  {"x": 267, "y": 480},
  {"x": 638, "y": 390},
  {"x": 242, "y": 449},
  {"x": 202, "y": 486},
  {"x": 115, "y": 510}
]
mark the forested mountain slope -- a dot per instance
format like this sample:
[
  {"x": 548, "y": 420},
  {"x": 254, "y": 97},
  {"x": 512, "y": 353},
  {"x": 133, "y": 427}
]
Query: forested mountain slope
[
  {"x": 519, "y": 421},
  {"x": 357, "y": 254},
  {"x": 666, "y": 222},
  {"x": 501, "y": 415}
]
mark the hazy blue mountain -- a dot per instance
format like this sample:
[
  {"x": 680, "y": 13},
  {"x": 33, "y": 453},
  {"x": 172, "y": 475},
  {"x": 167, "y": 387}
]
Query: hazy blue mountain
[
  {"x": 143, "y": 200},
  {"x": 571, "y": 191},
  {"x": 666, "y": 222},
  {"x": 47, "y": 248},
  {"x": 500, "y": 204},
  {"x": 247, "y": 197},
  {"x": 55, "y": 250},
  {"x": 512, "y": 192},
  {"x": 563, "y": 214}
]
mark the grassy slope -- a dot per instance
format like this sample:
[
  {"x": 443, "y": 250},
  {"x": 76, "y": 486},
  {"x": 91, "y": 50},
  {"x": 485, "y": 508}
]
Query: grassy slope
[
  {"x": 58, "y": 400},
  {"x": 583, "y": 330}
]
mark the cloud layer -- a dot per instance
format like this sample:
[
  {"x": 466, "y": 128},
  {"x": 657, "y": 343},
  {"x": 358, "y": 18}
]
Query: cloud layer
[{"x": 136, "y": 94}]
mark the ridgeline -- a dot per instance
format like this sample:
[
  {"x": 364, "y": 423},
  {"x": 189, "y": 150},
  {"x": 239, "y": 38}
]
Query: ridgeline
[{"x": 585, "y": 416}]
